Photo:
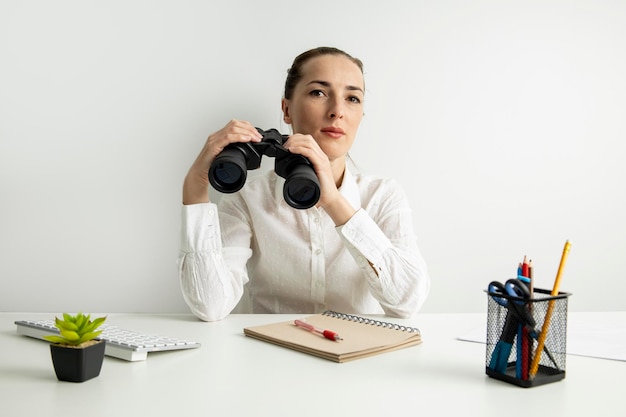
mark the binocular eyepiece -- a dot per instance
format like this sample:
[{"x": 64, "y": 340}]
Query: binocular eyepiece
[{"x": 228, "y": 172}]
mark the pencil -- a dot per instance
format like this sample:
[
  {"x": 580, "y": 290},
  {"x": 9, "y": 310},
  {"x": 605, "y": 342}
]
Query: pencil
[
  {"x": 531, "y": 286},
  {"x": 546, "y": 323},
  {"x": 526, "y": 339}
]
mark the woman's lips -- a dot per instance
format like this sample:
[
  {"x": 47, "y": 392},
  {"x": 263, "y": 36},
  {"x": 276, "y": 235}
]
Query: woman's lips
[{"x": 333, "y": 132}]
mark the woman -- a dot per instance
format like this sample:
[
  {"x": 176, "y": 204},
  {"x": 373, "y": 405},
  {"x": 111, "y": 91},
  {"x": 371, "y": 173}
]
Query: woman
[{"x": 354, "y": 252}]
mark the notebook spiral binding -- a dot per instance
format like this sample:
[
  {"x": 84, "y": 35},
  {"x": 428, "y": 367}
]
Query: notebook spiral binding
[{"x": 373, "y": 322}]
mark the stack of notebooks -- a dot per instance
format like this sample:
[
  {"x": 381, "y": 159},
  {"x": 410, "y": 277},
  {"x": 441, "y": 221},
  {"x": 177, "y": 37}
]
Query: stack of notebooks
[{"x": 361, "y": 337}]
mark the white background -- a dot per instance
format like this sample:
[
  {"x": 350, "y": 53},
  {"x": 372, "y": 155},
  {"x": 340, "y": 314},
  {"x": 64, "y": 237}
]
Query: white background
[{"x": 504, "y": 121}]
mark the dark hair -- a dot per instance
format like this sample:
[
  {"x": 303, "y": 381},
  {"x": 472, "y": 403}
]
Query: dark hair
[{"x": 294, "y": 74}]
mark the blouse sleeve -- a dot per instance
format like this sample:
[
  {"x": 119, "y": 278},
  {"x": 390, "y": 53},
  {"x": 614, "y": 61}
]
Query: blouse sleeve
[
  {"x": 382, "y": 240},
  {"x": 211, "y": 278}
]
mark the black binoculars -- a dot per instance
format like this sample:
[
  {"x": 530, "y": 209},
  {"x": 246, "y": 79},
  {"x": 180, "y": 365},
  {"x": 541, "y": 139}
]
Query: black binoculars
[{"x": 228, "y": 172}]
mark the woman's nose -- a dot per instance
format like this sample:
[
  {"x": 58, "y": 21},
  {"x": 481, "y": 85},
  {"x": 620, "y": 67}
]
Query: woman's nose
[{"x": 336, "y": 110}]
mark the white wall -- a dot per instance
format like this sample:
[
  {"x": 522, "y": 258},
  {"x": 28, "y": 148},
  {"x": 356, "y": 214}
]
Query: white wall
[{"x": 503, "y": 120}]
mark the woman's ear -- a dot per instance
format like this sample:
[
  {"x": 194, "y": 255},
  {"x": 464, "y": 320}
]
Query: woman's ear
[{"x": 285, "y": 106}]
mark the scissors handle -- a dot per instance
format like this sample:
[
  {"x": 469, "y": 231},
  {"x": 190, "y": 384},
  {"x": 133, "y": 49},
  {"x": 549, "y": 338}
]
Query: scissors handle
[
  {"x": 516, "y": 288},
  {"x": 520, "y": 297},
  {"x": 515, "y": 296},
  {"x": 498, "y": 292}
]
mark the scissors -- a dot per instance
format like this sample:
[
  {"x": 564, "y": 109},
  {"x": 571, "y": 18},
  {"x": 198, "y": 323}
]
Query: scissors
[{"x": 515, "y": 296}]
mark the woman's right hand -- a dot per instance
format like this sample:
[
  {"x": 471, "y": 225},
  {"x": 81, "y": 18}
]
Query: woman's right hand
[{"x": 196, "y": 185}]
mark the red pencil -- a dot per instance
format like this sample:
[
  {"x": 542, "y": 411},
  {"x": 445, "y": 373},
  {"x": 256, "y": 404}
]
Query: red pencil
[
  {"x": 525, "y": 268},
  {"x": 526, "y": 272}
]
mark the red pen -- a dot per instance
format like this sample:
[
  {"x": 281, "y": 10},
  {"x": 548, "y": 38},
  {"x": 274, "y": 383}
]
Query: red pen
[{"x": 326, "y": 333}]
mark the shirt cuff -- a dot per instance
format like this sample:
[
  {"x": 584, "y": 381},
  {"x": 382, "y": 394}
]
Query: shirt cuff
[
  {"x": 364, "y": 236},
  {"x": 200, "y": 228}
]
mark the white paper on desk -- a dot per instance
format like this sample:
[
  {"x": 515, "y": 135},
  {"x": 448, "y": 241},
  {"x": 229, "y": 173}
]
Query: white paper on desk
[{"x": 586, "y": 336}]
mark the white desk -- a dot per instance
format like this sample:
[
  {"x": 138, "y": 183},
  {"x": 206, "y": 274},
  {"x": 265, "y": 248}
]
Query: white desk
[{"x": 233, "y": 375}]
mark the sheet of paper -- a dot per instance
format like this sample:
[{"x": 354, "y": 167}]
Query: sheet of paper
[{"x": 597, "y": 335}]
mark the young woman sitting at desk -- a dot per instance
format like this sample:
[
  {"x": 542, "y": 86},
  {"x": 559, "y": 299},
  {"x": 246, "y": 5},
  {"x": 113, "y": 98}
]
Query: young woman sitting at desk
[{"x": 354, "y": 252}]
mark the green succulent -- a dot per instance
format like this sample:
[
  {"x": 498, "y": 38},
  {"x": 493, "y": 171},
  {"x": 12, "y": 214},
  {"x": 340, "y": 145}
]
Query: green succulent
[{"x": 75, "y": 330}]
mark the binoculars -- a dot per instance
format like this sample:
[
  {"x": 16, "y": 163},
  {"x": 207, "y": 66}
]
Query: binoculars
[{"x": 228, "y": 172}]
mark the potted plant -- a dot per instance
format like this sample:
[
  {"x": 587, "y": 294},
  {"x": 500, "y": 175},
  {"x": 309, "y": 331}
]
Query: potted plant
[{"x": 77, "y": 354}]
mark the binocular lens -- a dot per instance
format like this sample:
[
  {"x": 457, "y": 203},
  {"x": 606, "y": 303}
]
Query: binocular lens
[
  {"x": 228, "y": 172},
  {"x": 302, "y": 189},
  {"x": 301, "y": 193}
]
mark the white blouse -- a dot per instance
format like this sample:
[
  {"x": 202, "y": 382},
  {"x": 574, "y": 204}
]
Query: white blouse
[{"x": 298, "y": 261}]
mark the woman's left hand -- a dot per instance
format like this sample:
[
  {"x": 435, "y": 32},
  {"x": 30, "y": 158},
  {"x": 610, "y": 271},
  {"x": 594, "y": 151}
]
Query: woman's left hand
[{"x": 330, "y": 199}]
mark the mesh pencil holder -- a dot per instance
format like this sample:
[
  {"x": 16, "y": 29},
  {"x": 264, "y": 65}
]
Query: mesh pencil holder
[{"x": 514, "y": 351}]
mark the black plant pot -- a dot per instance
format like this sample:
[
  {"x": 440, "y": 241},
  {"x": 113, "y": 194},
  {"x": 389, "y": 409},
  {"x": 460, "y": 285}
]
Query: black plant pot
[{"x": 77, "y": 364}]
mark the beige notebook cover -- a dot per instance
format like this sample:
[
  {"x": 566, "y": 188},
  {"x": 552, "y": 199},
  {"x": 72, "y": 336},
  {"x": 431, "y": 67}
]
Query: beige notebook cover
[{"x": 361, "y": 336}]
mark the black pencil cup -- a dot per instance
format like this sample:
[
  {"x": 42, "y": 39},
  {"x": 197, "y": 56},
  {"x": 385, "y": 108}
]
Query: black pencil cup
[{"x": 514, "y": 353}]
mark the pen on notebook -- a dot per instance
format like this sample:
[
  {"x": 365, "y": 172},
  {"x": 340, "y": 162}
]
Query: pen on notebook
[{"x": 328, "y": 334}]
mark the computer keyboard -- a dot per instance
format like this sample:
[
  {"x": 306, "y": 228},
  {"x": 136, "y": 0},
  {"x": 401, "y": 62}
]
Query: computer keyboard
[{"x": 120, "y": 343}]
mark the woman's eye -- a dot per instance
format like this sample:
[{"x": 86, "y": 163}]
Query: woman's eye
[
  {"x": 354, "y": 99},
  {"x": 317, "y": 93}
]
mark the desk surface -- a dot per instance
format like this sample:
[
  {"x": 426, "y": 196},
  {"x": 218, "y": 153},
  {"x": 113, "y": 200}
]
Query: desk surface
[{"x": 232, "y": 374}]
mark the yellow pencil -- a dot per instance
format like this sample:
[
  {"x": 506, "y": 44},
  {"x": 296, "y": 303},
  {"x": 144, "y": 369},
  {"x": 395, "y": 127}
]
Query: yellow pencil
[{"x": 534, "y": 367}]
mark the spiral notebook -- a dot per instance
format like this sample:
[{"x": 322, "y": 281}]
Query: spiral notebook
[{"x": 361, "y": 337}]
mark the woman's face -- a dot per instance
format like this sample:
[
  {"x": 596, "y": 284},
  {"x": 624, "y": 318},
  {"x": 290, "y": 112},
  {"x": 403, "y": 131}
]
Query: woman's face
[{"x": 327, "y": 103}]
